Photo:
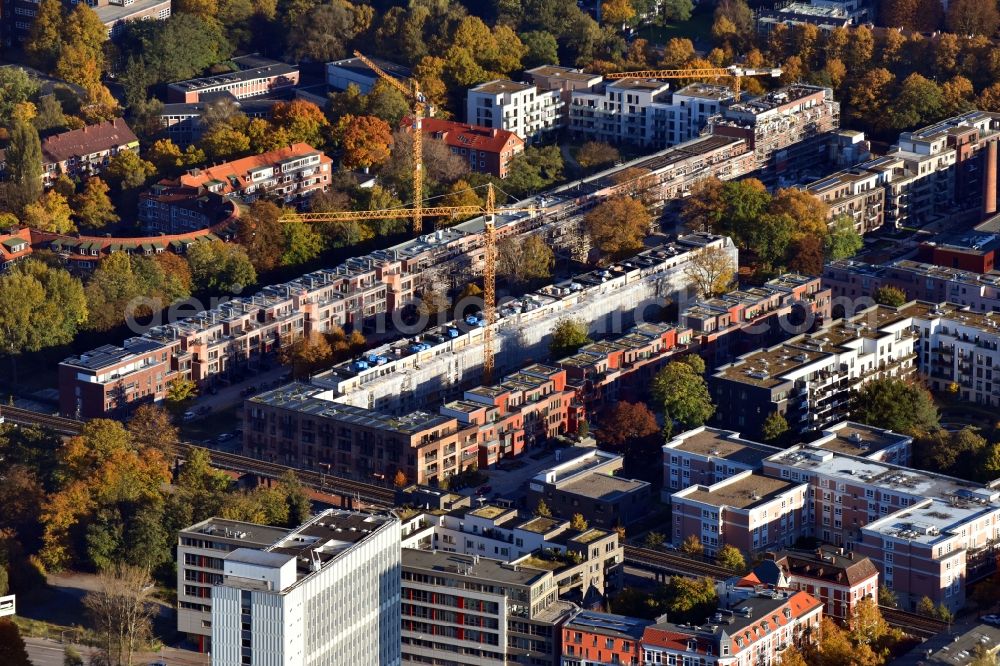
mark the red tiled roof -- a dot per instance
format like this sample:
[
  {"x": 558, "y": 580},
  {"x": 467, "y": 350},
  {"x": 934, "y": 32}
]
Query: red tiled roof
[
  {"x": 87, "y": 140},
  {"x": 8, "y": 240},
  {"x": 238, "y": 168},
  {"x": 475, "y": 137}
]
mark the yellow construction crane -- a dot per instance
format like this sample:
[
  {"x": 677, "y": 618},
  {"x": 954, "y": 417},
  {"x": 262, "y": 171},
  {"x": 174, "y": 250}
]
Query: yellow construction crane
[
  {"x": 488, "y": 212},
  {"x": 735, "y": 71},
  {"x": 412, "y": 90}
]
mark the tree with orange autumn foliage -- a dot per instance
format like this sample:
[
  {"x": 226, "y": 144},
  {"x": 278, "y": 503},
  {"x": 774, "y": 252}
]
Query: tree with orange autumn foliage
[{"x": 365, "y": 140}]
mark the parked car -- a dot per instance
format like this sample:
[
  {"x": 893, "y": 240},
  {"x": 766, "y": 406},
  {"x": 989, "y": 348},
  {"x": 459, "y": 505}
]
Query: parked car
[
  {"x": 225, "y": 437},
  {"x": 991, "y": 619},
  {"x": 189, "y": 416}
]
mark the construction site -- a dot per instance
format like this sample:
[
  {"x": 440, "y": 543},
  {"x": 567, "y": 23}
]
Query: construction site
[{"x": 437, "y": 365}]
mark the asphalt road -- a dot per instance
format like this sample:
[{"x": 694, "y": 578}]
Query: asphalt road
[{"x": 44, "y": 652}]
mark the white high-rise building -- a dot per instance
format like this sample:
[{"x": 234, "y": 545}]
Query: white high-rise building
[{"x": 326, "y": 594}]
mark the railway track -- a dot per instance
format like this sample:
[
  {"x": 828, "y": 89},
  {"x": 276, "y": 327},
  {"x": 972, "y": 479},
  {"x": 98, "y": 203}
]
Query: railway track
[
  {"x": 369, "y": 493},
  {"x": 918, "y": 625},
  {"x": 673, "y": 563}
]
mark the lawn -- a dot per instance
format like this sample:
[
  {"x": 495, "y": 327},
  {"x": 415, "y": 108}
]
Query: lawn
[{"x": 698, "y": 29}]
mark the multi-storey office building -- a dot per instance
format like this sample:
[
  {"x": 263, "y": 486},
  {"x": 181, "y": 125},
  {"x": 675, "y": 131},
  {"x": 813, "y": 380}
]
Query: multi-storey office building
[
  {"x": 587, "y": 565},
  {"x": 460, "y": 610},
  {"x": 328, "y": 592},
  {"x": 746, "y": 319},
  {"x": 381, "y": 283},
  {"x": 809, "y": 378},
  {"x": 749, "y": 510},
  {"x": 602, "y": 638},
  {"x": 588, "y": 485},
  {"x": 751, "y": 632},
  {"x": 201, "y": 550},
  {"x": 521, "y": 108}
]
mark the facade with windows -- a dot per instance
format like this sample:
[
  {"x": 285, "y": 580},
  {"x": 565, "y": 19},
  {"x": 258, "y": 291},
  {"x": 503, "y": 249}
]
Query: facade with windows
[
  {"x": 201, "y": 550},
  {"x": 521, "y": 108},
  {"x": 462, "y": 610},
  {"x": 327, "y": 592},
  {"x": 754, "y": 631}
]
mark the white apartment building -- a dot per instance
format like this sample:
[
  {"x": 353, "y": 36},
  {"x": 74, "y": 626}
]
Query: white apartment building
[
  {"x": 326, "y": 594},
  {"x": 520, "y": 108},
  {"x": 201, "y": 550}
]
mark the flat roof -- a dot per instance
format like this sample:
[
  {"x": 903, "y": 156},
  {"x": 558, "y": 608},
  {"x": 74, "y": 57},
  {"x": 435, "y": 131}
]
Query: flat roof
[
  {"x": 858, "y": 439},
  {"x": 740, "y": 492},
  {"x": 237, "y": 531},
  {"x": 501, "y": 86},
  {"x": 607, "y": 624},
  {"x": 603, "y": 486},
  {"x": 476, "y": 568},
  {"x": 111, "y": 14},
  {"x": 277, "y": 69},
  {"x": 723, "y": 444}
]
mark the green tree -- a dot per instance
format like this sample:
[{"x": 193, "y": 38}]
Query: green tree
[
  {"x": 296, "y": 498},
  {"x": 321, "y": 34},
  {"x": 50, "y": 114},
  {"x": 867, "y": 625},
  {"x": 683, "y": 396},
  {"x": 386, "y": 102},
  {"x": 542, "y": 509},
  {"x": 690, "y": 599},
  {"x": 675, "y": 11},
  {"x": 224, "y": 142},
  {"x": 45, "y": 39},
  {"x": 180, "y": 47},
  {"x": 39, "y": 307},
  {"x": 23, "y": 166},
  {"x": 731, "y": 558},
  {"x": 302, "y": 243},
  {"x": 770, "y": 238},
  {"x": 896, "y": 404},
  {"x": 93, "y": 207},
  {"x": 533, "y": 170},
  {"x": 16, "y": 88},
  {"x": 128, "y": 170},
  {"x": 181, "y": 390},
  {"x": 201, "y": 487},
  {"x": 218, "y": 266},
  {"x": 890, "y": 295},
  {"x": 775, "y": 426},
  {"x": 542, "y": 48},
  {"x": 886, "y": 597},
  {"x": 919, "y": 101},
  {"x": 842, "y": 241},
  {"x": 568, "y": 336}
]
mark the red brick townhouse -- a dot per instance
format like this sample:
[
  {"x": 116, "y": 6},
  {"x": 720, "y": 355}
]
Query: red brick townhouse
[{"x": 486, "y": 149}]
